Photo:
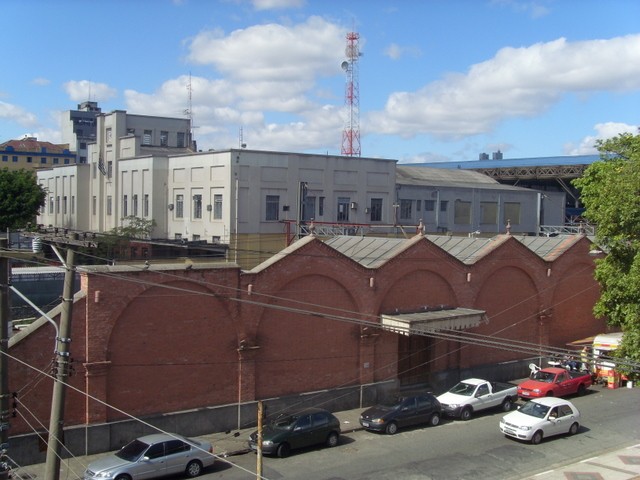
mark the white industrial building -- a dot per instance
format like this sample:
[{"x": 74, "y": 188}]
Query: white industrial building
[{"x": 258, "y": 201}]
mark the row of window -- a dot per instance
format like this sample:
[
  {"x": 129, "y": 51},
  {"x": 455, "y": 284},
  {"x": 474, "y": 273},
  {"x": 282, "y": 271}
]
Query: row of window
[
  {"x": 196, "y": 209},
  {"x": 147, "y": 137},
  {"x": 57, "y": 206},
  {"x": 125, "y": 205},
  {"x": 462, "y": 211},
  {"x": 43, "y": 160}
]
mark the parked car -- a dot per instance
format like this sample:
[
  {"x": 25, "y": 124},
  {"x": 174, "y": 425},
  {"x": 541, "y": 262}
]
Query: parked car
[
  {"x": 305, "y": 428},
  {"x": 474, "y": 394},
  {"x": 402, "y": 412},
  {"x": 554, "y": 382},
  {"x": 541, "y": 417},
  {"x": 154, "y": 456}
]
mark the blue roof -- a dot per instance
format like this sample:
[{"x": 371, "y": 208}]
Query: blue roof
[{"x": 513, "y": 162}]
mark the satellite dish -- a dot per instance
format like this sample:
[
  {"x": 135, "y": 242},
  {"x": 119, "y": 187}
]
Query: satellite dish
[{"x": 345, "y": 65}]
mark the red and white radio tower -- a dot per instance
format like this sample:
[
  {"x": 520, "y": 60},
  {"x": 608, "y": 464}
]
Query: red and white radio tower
[{"x": 351, "y": 132}]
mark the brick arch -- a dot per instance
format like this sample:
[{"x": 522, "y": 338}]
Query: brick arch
[
  {"x": 511, "y": 299},
  {"x": 156, "y": 337},
  {"x": 418, "y": 288},
  {"x": 302, "y": 352}
]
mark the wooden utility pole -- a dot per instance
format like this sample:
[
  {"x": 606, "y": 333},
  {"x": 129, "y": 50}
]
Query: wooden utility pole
[
  {"x": 259, "y": 441},
  {"x": 4, "y": 360},
  {"x": 56, "y": 422}
]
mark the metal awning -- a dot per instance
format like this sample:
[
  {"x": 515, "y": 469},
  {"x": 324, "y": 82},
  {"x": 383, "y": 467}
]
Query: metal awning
[{"x": 419, "y": 322}]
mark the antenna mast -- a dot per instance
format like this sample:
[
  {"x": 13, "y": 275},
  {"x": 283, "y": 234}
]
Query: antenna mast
[{"x": 351, "y": 132}]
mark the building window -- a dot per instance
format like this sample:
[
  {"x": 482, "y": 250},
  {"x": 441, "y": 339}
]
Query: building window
[
  {"x": 196, "y": 238},
  {"x": 444, "y": 205},
  {"x": 109, "y": 135},
  {"x": 512, "y": 213},
  {"x": 321, "y": 206},
  {"x": 405, "y": 209},
  {"x": 64, "y": 205},
  {"x": 376, "y": 209},
  {"x": 272, "y": 207},
  {"x": 164, "y": 138},
  {"x": 29, "y": 159},
  {"x": 56, "y": 161},
  {"x": 51, "y": 205},
  {"x": 343, "y": 209},
  {"x": 181, "y": 139},
  {"x": 145, "y": 206},
  {"x": 197, "y": 206},
  {"x": 489, "y": 213},
  {"x": 131, "y": 131},
  {"x": 5, "y": 158},
  {"x": 462, "y": 212},
  {"x": 146, "y": 138},
  {"x": 429, "y": 205},
  {"x": 125, "y": 205},
  {"x": 94, "y": 205},
  {"x": 110, "y": 169},
  {"x": 66, "y": 161},
  {"x": 58, "y": 204},
  {"x": 178, "y": 236},
  {"x": 418, "y": 205},
  {"x": 179, "y": 206},
  {"x": 109, "y": 204},
  {"x": 217, "y": 207},
  {"x": 308, "y": 208},
  {"x": 73, "y": 205},
  {"x": 134, "y": 207},
  {"x": 15, "y": 159},
  {"x": 83, "y": 145}
]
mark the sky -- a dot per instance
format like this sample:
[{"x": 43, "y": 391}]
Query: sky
[{"x": 438, "y": 80}]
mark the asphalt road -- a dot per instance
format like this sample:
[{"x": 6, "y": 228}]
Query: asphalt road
[{"x": 455, "y": 449}]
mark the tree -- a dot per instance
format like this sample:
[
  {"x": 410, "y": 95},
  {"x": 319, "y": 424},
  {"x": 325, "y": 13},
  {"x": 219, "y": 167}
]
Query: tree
[
  {"x": 135, "y": 227},
  {"x": 20, "y": 198},
  {"x": 610, "y": 191}
]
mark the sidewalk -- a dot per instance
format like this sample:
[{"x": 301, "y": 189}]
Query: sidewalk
[{"x": 623, "y": 464}]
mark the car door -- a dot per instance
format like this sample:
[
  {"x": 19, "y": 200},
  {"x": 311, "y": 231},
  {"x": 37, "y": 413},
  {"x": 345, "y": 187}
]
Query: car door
[
  {"x": 564, "y": 384},
  {"x": 301, "y": 433},
  {"x": 320, "y": 426},
  {"x": 555, "y": 422},
  {"x": 176, "y": 452},
  {"x": 483, "y": 397},
  {"x": 151, "y": 464},
  {"x": 424, "y": 409},
  {"x": 407, "y": 413}
]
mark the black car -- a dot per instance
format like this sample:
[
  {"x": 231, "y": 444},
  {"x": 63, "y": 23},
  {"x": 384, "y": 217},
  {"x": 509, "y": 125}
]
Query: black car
[
  {"x": 312, "y": 426},
  {"x": 402, "y": 412}
]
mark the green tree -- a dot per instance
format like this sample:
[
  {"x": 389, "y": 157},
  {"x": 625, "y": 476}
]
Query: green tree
[
  {"x": 135, "y": 227},
  {"x": 20, "y": 198},
  {"x": 610, "y": 191}
]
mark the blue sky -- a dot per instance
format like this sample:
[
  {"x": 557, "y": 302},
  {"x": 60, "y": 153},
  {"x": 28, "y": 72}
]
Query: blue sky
[{"x": 438, "y": 79}]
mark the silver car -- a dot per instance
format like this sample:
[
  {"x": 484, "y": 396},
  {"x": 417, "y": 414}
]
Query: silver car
[{"x": 153, "y": 456}]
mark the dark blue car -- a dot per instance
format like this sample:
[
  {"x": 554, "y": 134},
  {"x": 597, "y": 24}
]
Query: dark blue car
[{"x": 402, "y": 412}]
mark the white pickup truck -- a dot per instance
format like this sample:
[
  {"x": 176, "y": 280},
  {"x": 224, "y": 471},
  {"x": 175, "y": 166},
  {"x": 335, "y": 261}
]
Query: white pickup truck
[{"x": 474, "y": 394}]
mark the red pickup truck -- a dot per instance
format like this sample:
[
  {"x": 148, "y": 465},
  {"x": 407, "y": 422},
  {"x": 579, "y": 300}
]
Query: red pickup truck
[{"x": 554, "y": 382}]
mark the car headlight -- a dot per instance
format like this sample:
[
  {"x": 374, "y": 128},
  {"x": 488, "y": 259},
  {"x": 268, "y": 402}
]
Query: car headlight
[
  {"x": 536, "y": 390},
  {"x": 525, "y": 428},
  {"x": 377, "y": 420},
  {"x": 454, "y": 405},
  {"x": 267, "y": 443},
  {"x": 104, "y": 475}
]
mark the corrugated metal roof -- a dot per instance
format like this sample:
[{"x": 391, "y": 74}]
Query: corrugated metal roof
[
  {"x": 439, "y": 177},
  {"x": 514, "y": 162},
  {"x": 548, "y": 248},
  {"x": 370, "y": 252}
]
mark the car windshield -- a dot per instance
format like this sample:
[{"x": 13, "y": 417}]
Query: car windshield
[
  {"x": 534, "y": 409},
  {"x": 132, "y": 450},
  {"x": 393, "y": 403},
  {"x": 462, "y": 388},
  {"x": 284, "y": 422},
  {"x": 545, "y": 377}
]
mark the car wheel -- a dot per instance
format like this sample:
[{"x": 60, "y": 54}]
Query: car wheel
[
  {"x": 537, "y": 437},
  {"x": 123, "y": 477},
  {"x": 434, "y": 420},
  {"x": 507, "y": 404},
  {"x": 392, "y": 428},
  {"x": 550, "y": 393},
  {"x": 332, "y": 439},
  {"x": 582, "y": 390},
  {"x": 465, "y": 414},
  {"x": 194, "y": 468},
  {"x": 574, "y": 428},
  {"x": 283, "y": 450}
]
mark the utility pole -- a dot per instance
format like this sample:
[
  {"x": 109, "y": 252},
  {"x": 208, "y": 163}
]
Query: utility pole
[
  {"x": 52, "y": 466},
  {"x": 4, "y": 360},
  {"x": 259, "y": 442}
]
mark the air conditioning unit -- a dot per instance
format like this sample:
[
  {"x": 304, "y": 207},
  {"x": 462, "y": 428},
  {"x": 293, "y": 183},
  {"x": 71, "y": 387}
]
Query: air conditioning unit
[{"x": 354, "y": 205}]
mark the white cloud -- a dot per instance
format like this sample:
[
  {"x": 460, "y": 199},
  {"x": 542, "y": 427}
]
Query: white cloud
[
  {"x": 17, "y": 114},
  {"x": 83, "y": 90},
  {"x": 41, "y": 82},
  {"x": 395, "y": 51},
  {"x": 277, "y": 4},
  {"x": 517, "y": 82},
  {"x": 603, "y": 132}
]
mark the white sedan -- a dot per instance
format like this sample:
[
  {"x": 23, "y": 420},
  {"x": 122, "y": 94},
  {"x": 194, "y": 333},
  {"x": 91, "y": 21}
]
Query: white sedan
[{"x": 541, "y": 417}]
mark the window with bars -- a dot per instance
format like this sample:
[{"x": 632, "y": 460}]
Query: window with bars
[
  {"x": 179, "y": 206},
  {"x": 272, "y": 207},
  {"x": 217, "y": 206},
  {"x": 197, "y": 206}
]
